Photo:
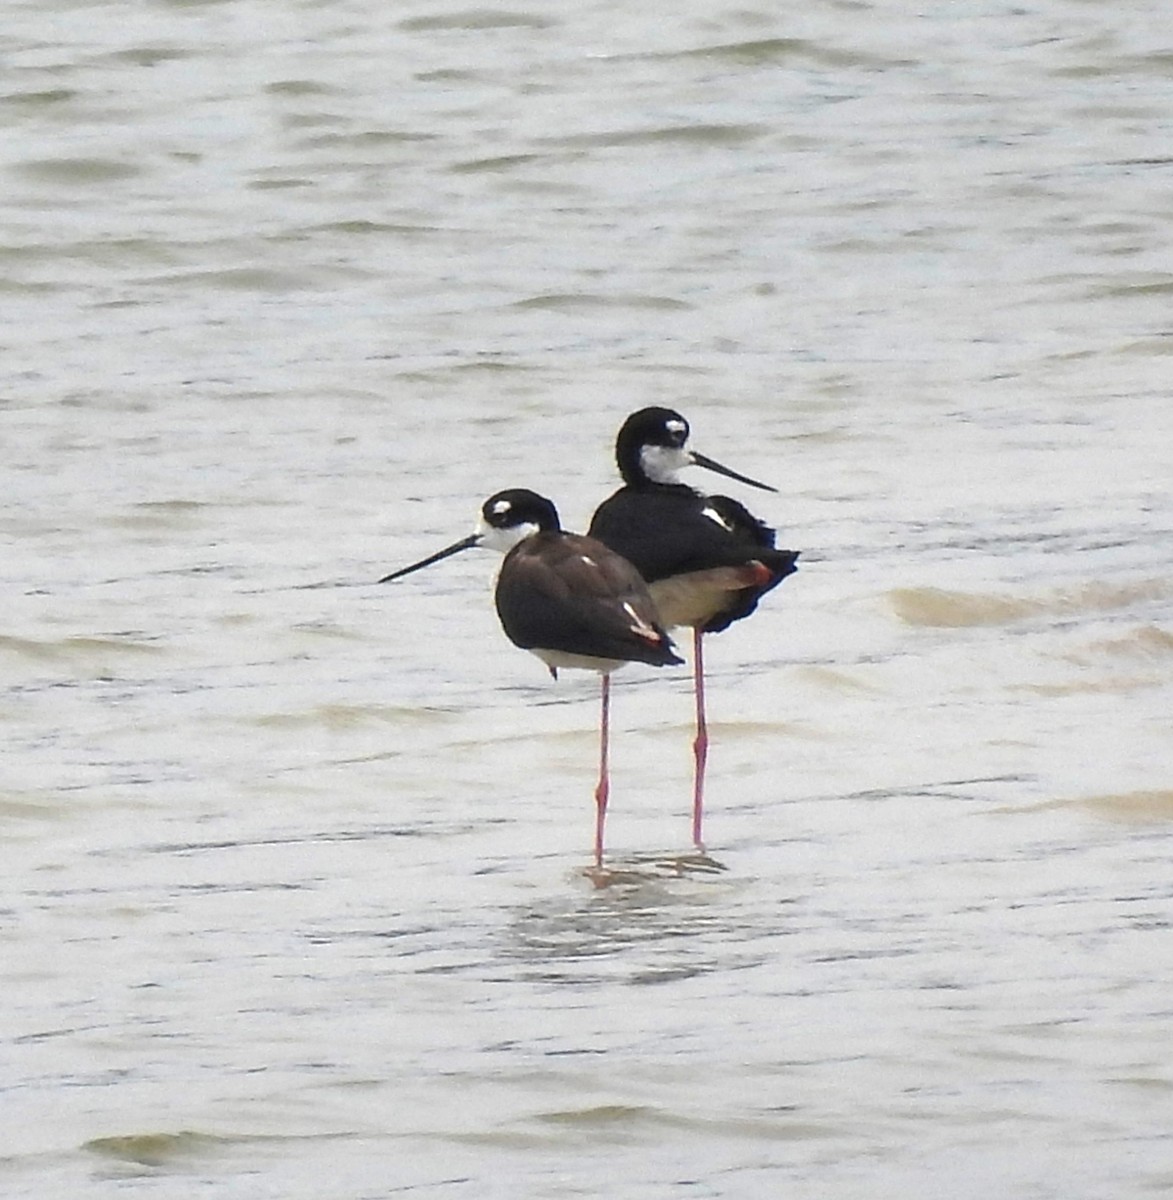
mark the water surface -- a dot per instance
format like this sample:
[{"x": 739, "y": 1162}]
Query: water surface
[{"x": 292, "y": 896}]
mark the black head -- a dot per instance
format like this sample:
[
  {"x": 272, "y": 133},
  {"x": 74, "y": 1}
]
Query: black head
[
  {"x": 506, "y": 518},
  {"x": 651, "y": 448},
  {"x": 656, "y": 427},
  {"x": 515, "y": 509}
]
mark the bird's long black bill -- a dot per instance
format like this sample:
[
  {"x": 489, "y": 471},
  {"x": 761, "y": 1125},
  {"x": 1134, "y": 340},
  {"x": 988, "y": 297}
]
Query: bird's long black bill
[
  {"x": 701, "y": 461},
  {"x": 467, "y": 543}
]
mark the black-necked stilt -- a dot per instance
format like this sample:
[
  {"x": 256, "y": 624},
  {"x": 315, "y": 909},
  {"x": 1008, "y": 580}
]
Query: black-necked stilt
[
  {"x": 567, "y": 598},
  {"x": 706, "y": 559}
]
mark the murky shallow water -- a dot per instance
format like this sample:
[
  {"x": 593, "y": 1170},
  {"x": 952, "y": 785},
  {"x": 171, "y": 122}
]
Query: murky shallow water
[{"x": 292, "y": 901}]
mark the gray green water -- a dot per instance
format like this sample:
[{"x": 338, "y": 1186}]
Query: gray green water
[{"x": 291, "y": 903}]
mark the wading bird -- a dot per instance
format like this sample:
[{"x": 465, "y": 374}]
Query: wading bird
[
  {"x": 707, "y": 560},
  {"x": 568, "y": 599}
]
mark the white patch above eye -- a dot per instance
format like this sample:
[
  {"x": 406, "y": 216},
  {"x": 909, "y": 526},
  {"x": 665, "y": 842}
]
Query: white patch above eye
[
  {"x": 500, "y": 507},
  {"x": 675, "y": 426},
  {"x": 714, "y": 515}
]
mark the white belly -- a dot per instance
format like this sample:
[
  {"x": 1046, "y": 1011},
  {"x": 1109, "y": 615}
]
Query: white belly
[{"x": 558, "y": 660}]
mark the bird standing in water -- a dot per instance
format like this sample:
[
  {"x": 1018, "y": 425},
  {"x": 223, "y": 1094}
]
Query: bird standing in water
[
  {"x": 568, "y": 599},
  {"x": 707, "y": 560}
]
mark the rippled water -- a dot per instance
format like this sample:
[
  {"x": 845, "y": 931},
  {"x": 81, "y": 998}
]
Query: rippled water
[{"x": 292, "y": 903}]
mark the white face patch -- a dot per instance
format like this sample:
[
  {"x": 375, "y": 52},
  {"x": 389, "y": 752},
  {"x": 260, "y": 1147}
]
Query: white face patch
[
  {"x": 661, "y": 464},
  {"x": 503, "y": 540},
  {"x": 714, "y": 515},
  {"x": 675, "y": 426},
  {"x": 500, "y": 508}
]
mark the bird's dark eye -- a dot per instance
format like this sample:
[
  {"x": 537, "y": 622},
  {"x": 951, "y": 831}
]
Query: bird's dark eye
[{"x": 675, "y": 433}]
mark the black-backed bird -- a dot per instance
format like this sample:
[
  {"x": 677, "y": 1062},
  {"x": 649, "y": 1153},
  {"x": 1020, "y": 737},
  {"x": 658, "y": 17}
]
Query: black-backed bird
[
  {"x": 568, "y": 599},
  {"x": 707, "y": 560}
]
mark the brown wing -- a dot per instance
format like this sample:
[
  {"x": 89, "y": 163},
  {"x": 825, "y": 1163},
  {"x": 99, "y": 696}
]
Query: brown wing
[{"x": 561, "y": 591}]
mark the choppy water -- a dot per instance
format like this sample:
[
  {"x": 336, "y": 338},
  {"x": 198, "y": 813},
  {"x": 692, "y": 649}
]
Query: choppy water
[{"x": 291, "y": 904}]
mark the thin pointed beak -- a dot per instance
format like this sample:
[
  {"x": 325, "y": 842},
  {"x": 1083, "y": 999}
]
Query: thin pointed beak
[
  {"x": 467, "y": 543},
  {"x": 701, "y": 461}
]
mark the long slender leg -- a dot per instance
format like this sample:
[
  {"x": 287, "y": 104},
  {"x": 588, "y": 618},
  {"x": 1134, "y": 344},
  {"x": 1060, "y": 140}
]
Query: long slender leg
[
  {"x": 603, "y": 790},
  {"x": 700, "y": 746}
]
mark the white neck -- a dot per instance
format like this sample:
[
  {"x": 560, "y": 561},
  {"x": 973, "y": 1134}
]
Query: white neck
[{"x": 661, "y": 464}]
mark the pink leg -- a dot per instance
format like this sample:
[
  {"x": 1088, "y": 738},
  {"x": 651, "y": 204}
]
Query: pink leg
[
  {"x": 700, "y": 746},
  {"x": 604, "y": 787}
]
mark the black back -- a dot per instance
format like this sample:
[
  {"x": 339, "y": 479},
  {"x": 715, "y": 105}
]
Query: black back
[{"x": 664, "y": 530}]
